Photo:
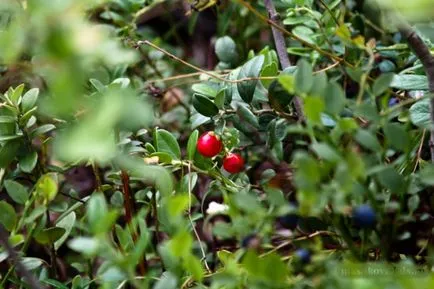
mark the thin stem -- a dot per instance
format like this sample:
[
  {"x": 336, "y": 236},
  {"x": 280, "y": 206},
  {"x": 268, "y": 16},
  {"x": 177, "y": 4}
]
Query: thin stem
[
  {"x": 329, "y": 11},
  {"x": 289, "y": 34},
  {"x": 279, "y": 41},
  {"x": 191, "y": 221}
]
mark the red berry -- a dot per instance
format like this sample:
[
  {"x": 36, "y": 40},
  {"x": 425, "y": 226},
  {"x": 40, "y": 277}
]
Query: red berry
[
  {"x": 209, "y": 145},
  {"x": 233, "y": 163}
]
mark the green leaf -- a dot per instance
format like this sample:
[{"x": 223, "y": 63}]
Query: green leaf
[
  {"x": 167, "y": 281},
  {"x": 426, "y": 175},
  {"x": 40, "y": 130},
  {"x": 204, "y": 105},
  {"x": 409, "y": 82},
  {"x": 334, "y": 98},
  {"x": 8, "y": 152},
  {"x": 193, "y": 265},
  {"x": 319, "y": 84},
  {"x": 226, "y": 49},
  {"x": 16, "y": 191},
  {"x": 97, "y": 85},
  {"x": 208, "y": 89},
  {"x": 397, "y": 136},
  {"x": 420, "y": 113},
  {"x": 49, "y": 236},
  {"x": 191, "y": 144},
  {"x": 15, "y": 94},
  {"x": 220, "y": 98},
  {"x": 391, "y": 180},
  {"x": 304, "y": 33},
  {"x": 28, "y": 162},
  {"x": 46, "y": 187},
  {"x": 252, "y": 68},
  {"x": 247, "y": 116},
  {"x": 303, "y": 77},
  {"x": 8, "y": 217},
  {"x": 382, "y": 83},
  {"x": 31, "y": 263},
  {"x": 326, "y": 152},
  {"x": 269, "y": 70},
  {"x": 167, "y": 143},
  {"x": 180, "y": 245},
  {"x": 313, "y": 107},
  {"x": 367, "y": 140},
  {"x": 67, "y": 223},
  {"x": 29, "y": 99},
  {"x": 85, "y": 245}
]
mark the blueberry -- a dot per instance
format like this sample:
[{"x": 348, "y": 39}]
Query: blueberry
[
  {"x": 303, "y": 255},
  {"x": 364, "y": 216},
  {"x": 251, "y": 241},
  {"x": 288, "y": 221},
  {"x": 393, "y": 101}
]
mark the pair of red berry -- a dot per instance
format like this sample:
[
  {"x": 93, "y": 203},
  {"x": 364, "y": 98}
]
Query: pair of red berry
[{"x": 209, "y": 145}]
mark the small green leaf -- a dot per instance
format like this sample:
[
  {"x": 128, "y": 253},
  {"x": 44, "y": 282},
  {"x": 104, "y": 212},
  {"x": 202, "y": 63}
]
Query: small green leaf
[
  {"x": 367, "y": 140},
  {"x": 49, "y": 236},
  {"x": 85, "y": 245},
  {"x": 167, "y": 143},
  {"x": 28, "y": 162},
  {"x": 220, "y": 98},
  {"x": 382, "y": 83},
  {"x": 269, "y": 70},
  {"x": 396, "y": 136},
  {"x": 247, "y": 116},
  {"x": 16, "y": 191},
  {"x": 326, "y": 152},
  {"x": 46, "y": 187},
  {"x": 97, "y": 85},
  {"x": 8, "y": 152},
  {"x": 409, "y": 82},
  {"x": 204, "y": 105},
  {"x": 208, "y": 89},
  {"x": 251, "y": 68},
  {"x": 391, "y": 180},
  {"x": 8, "y": 217},
  {"x": 40, "y": 130},
  {"x": 29, "y": 99},
  {"x": 313, "y": 107},
  {"x": 226, "y": 49},
  {"x": 67, "y": 223},
  {"x": 167, "y": 281},
  {"x": 191, "y": 144},
  {"x": 303, "y": 77},
  {"x": 193, "y": 265},
  {"x": 420, "y": 113},
  {"x": 334, "y": 98}
]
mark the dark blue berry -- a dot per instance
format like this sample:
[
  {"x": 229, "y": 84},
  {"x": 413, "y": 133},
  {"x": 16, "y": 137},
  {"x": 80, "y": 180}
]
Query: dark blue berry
[
  {"x": 251, "y": 241},
  {"x": 303, "y": 255},
  {"x": 393, "y": 101},
  {"x": 364, "y": 216},
  {"x": 288, "y": 221}
]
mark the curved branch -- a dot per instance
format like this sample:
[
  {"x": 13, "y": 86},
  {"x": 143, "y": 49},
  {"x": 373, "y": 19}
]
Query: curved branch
[{"x": 421, "y": 50}]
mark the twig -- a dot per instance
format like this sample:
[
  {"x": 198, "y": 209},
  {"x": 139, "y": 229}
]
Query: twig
[
  {"x": 419, "y": 150},
  {"x": 293, "y": 36},
  {"x": 329, "y": 11},
  {"x": 280, "y": 44},
  {"x": 32, "y": 281},
  {"x": 422, "y": 51},
  {"x": 210, "y": 74},
  {"x": 191, "y": 221}
]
